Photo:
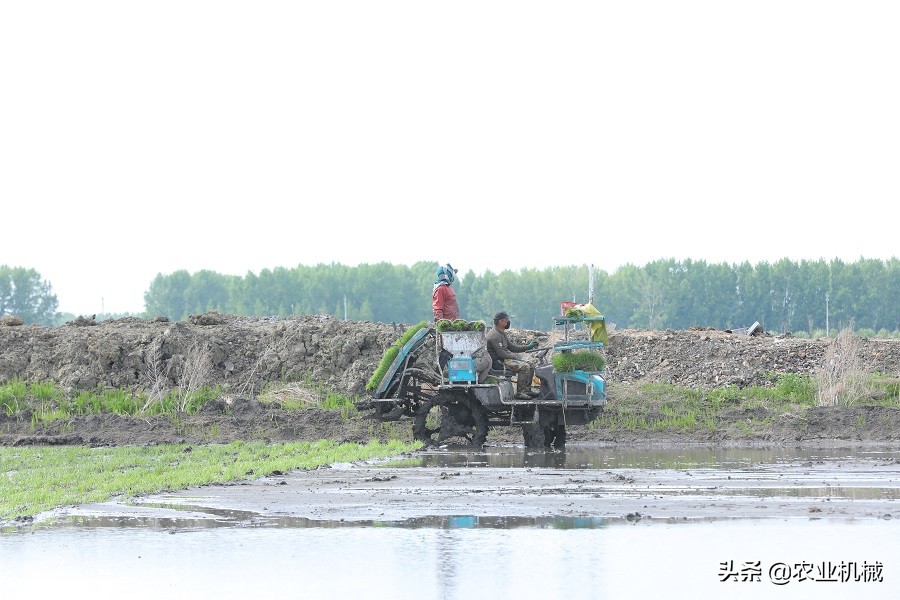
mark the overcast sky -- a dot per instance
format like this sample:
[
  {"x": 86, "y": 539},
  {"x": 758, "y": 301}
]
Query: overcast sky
[{"x": 139, "y": 138}]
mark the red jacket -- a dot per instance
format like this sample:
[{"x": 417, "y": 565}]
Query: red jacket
[{"x": 444, "y": 304}]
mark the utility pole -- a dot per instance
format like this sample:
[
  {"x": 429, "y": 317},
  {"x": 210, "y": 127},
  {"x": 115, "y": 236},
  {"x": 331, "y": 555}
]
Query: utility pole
[
  {"x": 591, "y": 285},
  {"x": 345, "y": 307},
  {"x": 827, "y": 332}
]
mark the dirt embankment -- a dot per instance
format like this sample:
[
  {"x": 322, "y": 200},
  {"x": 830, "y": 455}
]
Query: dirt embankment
[{"x": 243, "y": 354}]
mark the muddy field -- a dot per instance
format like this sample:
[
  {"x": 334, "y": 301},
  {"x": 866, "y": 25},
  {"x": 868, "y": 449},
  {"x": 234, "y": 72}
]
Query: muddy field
[
  {"x": 243, "y": 355},
  {"x": 826, "y": 484}
]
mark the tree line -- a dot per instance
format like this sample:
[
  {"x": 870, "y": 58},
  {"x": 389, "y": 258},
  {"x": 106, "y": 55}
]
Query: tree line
[{"x": 786, "y": 296}]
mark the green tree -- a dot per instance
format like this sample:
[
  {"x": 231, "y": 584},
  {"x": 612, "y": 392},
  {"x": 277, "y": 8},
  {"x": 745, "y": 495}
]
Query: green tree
[
  {"x": 24, "y": 294},
  {"x": 645, "y": 290},
  {"x": 208, "y": 291},
  {"x": 478, "y": 296},
  {"x": 717, "y": 298},
  {"x": 887, "y": 307},
  {"x": 166, "y": 295},
  {"x": 664, "y": 293}
]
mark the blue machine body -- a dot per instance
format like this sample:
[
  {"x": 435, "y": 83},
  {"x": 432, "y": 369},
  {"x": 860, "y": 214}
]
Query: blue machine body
[{"x": 461, "y": 369}]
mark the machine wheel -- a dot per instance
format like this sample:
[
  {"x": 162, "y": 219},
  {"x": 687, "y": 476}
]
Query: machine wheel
[
  {"x": 527, "y": 435},
  {"x": 533, "y": 435},
  {"x": 456, "y": 417},
  {"x": 555, "y": 436},
  {"x": 388, "y": 412},
  {"x": 560, "y": 440},
  {"x": 479, "y": 415},
  {"x": 421, "y": 431},
  {"x": 411, "y": 389}
]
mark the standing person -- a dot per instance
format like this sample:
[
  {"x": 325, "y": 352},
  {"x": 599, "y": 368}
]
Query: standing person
[
  {"x": 501, "y": 349},
  {"x": 443, "y": 298},
  {"x": 445, "y": 306}
]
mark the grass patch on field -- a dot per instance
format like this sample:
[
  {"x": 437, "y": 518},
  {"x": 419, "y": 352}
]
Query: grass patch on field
[
  {"x": 300, "y": 396},
  {"x": 48, "y": 402},
  {"x": 670, "y": 408},
  {"x": 36, "y": 479}
]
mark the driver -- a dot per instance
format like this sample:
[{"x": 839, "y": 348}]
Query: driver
[{"x": 502, "y": 351}]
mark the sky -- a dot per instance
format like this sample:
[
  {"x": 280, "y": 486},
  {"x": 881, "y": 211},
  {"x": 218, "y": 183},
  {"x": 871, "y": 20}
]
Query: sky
[{"x": 139, "y": 138}]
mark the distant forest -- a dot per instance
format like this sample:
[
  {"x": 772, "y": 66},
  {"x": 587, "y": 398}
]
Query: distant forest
[{"x": 805, "y": 298}]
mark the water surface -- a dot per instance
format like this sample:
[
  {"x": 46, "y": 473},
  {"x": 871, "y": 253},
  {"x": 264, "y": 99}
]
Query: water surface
[{"x": 454, "y": 554}]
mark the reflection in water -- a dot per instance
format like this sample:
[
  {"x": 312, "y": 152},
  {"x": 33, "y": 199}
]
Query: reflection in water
[
  {"x": 631, "y": 561},
  {"x": 594, "y": 457},
  {"x": 831, "y": 491},
  {"x": 446, "y": 568},
  {"x": 239, "y": 519}
]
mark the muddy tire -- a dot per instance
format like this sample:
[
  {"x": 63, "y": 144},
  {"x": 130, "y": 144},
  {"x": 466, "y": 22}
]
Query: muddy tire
[
  {"x": 414, "y": 386},
  {"x": 479, "y": 420},
  {"x": 529, "y": 430},
  {"x": 533, "y": 435},
  {"x": 550, "y": 435},
  {"x": 549, "y": 432},
  {"x": 554, "y": 436},
  {"x": 460, "y": 418},
  {"x": 421, "y": 431},
  {"x": 559, "y": 441}
]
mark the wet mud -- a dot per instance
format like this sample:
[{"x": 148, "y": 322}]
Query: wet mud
[{"x": 443, "y": 489}]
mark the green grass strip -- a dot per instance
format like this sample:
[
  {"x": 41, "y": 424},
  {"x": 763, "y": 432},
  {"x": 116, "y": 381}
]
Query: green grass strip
[{"x": 35, "y": 479}]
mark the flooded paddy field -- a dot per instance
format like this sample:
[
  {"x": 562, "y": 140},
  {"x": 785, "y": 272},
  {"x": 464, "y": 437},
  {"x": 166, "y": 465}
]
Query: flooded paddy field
[
  {"x": 587, "y": 522},
  {"x": 610, "y": 483}
]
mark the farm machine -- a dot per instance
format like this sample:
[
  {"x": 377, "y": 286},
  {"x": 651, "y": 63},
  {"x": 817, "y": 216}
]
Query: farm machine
[{"x": 433, "y": 381}]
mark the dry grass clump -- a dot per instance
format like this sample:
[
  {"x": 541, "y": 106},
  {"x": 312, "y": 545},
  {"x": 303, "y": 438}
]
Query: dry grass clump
[
  {"x": 842, "y": 380},
  {"x": 291, "y": 395},
  {"x": 194, "y": 373},
  {"x": 158, "y": 377}
]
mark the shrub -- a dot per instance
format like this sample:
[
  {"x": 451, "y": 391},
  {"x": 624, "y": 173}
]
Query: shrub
[{"x": 841, "y": 380}]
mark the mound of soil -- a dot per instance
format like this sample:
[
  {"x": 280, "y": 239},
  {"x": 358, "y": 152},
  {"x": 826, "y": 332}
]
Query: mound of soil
[{"x": 244, "y": 354}]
